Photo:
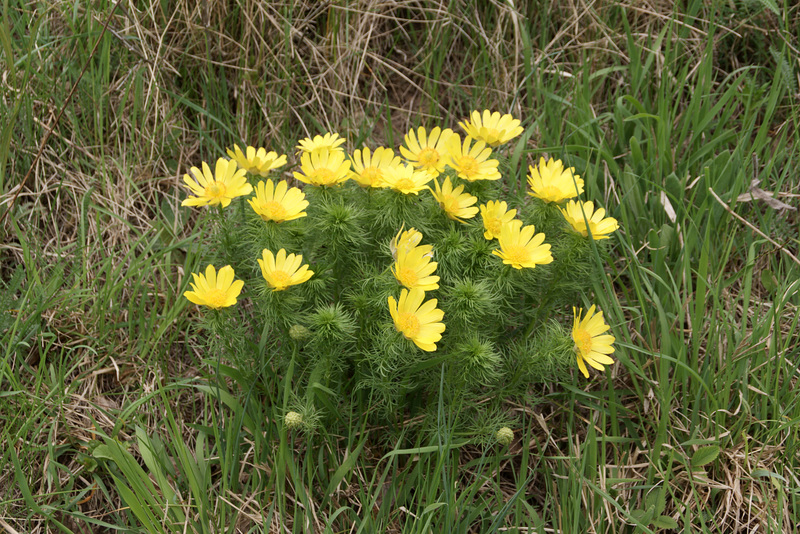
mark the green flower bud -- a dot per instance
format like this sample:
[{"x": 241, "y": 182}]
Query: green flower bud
[
  {"x": 298, "y": 332},
  {"x": 478, "y": 361},
  {"x": 504, "y": 436},
  {"x": 341, "y": 223},
  {"x": 293, "y": 420},
  {"x": 469, "y": 303},
  {"x": 332, "y": 323}
]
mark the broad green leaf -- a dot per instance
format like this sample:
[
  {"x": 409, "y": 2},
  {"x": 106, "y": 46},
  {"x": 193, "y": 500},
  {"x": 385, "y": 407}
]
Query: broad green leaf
[
  {"x": 665, "y": 521},
  {"x": 705, "y": 455}
]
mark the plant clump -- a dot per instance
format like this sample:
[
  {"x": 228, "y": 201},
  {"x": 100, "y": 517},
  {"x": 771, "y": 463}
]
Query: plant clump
[{"x": 403, "y": 281}]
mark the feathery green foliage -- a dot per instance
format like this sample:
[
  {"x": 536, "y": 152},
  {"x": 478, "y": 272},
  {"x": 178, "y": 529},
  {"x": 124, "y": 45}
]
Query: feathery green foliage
[{"x": 352, "y": 239}]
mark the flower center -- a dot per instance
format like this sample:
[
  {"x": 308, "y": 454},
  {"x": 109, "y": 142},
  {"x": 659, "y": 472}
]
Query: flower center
[
  {"x": 552, "y": 193},
  {"x": 493, "y": 134},
  {"x": 592, "y": 226},
  {"x": 215, "y": 190},
  {"x": 428, "y": 157},
  {"x": 450, "y": 205},
  {"x": 274, "y": 210},
  {"x": 280, "y": 279},
  {"x": 404, "y": 184},
  {"x": 372, "y": 175},
  {"x": 408, "y": 277},
  {"x": 517, "y": 254},
  {"x": 468, "y": 165},
  {"x": 583, "y": 341},
  {"x": 322, "y": 177},
  {"x": 580, "y": 227},
  {"x": 494, "y": 225},
  {"x": 215, "y": 298},
  {"x": 408, "y": 324},
  {"x": 249, "y": 164}
]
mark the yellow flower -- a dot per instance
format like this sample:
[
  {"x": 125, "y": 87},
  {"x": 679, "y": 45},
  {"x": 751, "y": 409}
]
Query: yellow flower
[
  {"x": 421, "y": 323},
  {"x": 414, "y": 268},
  {"x": 369, "y": 169},
  {"x": 254, "y": 161},
  {"x": 323, "y": 167},
  {"x": 405, "y": 179},
  {"x": 457, "y": 205},
  {"x": 330, "y": 141},
  {"x": 599, "y": 226},
  {"x": 425, "y": 151},
  {"x": 590, "y": 346},
  {"x": 495, "y": 214},
  {"x": 519, "y": 247},
  {"x": 215, "y": 290},
  {"x": 282, "y": 271},
  {"x": 472, "y": 163},
  {"x": 406, "y": 241},
  {"x": 278, "y": 203},
  {"x": 552, "y": 183},
  {"x": 221, "y": 187},
  {"x": 491, "y": 127}
]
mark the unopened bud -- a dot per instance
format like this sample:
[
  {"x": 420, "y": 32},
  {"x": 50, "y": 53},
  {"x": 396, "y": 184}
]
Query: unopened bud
[
  {"x": 293, "y": 420},
  {"x": 504, "y": 436},
  {"x": 298, "y": 332}
]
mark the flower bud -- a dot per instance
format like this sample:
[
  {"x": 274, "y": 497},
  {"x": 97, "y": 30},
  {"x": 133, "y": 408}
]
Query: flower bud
[
  {"x": 479, "y": 362},
  {"x": 298, "y": 332},
  {"x": 293, "y": 420},
  {"x": 332, "y": 323},
  {"x": 504, "y": 436},
  {"x": 469, "y": 302}
]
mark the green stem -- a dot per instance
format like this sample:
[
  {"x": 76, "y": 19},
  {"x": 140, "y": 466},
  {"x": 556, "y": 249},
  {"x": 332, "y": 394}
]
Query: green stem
[{"x": 536, "y": 318}]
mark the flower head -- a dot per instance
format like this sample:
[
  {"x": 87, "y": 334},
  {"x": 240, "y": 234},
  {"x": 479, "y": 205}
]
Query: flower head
[
  {"x": 215, "y": 290},
  {"x": 421, "y": 323},
  {"x": 551, "y": 182},
  {"x": 491, "y": 128},
  {"x": 519, "y": 247},
  {"x": 369, "y": 169},
  {"x": 282, "y": 271},
  {"x": 406, "y": 179},
  {"x": 278, "y": 203},
  {"x": 225, "y": 184},
  {"x": 457, "y": 205},
  {"x": 414, "y": 268},
  {"x": 323, "y": 167},
  {"x": 590, "y": 345},
  {"x": 600, "y": 227},
  {"x": 495, "y": 214},
  {"x": 472, "y": 163},
  {"x": 407, "y": 240},
  {"x": 330, "y": 141},
  {"x": 254, "y": 161},
  {"x": 428, "y": 152}
]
